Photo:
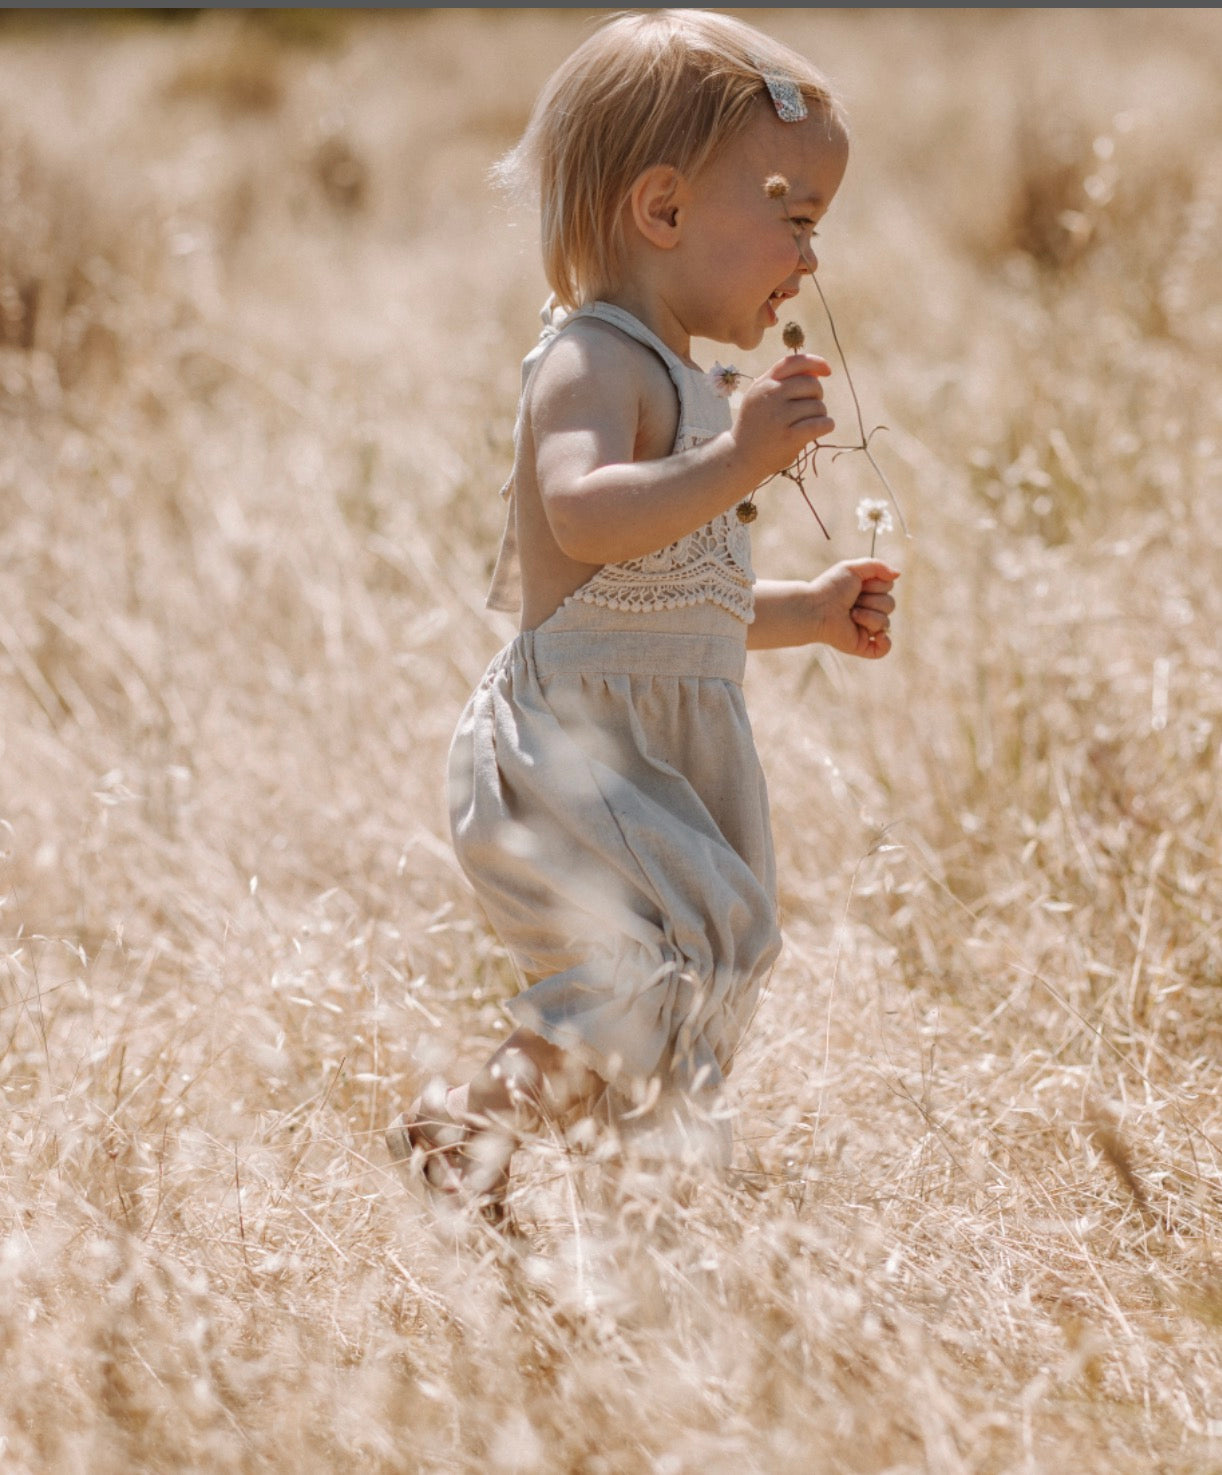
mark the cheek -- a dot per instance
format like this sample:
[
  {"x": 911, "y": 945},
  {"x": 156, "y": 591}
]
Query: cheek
[{"x": 785, "y": 257}]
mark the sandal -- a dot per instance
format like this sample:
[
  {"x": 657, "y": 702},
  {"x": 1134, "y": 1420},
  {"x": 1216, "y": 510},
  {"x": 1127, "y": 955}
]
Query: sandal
[
  {"x": 429, "y": 1142},
  {"x": 428, "y": 1139}
]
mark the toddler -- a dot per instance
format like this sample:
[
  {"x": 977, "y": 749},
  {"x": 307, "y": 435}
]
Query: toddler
[{"x": 606, "y": 798}]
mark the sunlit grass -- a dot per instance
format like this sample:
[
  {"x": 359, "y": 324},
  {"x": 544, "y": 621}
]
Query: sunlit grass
[{"x": 259, "y": 339}]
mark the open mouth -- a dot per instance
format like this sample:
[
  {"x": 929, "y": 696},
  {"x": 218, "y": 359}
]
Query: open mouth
[{"x": 775, "y": 300}]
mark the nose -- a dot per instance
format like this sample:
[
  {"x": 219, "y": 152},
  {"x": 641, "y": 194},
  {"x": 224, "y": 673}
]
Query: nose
[{"x": 806, "y": 255}]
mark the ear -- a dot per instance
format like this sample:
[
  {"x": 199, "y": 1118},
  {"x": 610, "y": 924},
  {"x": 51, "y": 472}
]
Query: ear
[{"x": 656, "y": 205}]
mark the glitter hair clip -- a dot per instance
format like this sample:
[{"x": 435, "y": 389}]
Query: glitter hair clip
[{"x": 786, "y": 97}]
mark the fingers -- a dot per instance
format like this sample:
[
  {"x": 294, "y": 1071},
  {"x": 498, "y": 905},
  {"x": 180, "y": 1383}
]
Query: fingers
[
  {"x": 803, "y": 394},
  {"x": 808, "y": 364},
  {"x": 880, "y": 604},
  {"x": 872, "y": 609},
  {"x": 872, "y": 621},
  {"x": 872, "y": 570},
  {"x": 873, "y": 633},
  {"x": 815, "y": 425},
  {"x": 874, "y": 606},
  {"x": 783, "y": 412},
  {"x": 871, "y": 613},
  {"x": 799, "y": 413}
]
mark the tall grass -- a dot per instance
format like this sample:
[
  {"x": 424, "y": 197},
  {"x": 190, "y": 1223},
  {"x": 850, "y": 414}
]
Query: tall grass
[{"x": 260, "y": 318}]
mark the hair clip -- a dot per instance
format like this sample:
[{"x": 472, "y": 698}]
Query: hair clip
[{"x": 786, "y": 97}]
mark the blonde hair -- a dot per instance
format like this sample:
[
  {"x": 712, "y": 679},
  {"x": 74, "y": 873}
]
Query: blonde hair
[{"x": 658, "y": 87}]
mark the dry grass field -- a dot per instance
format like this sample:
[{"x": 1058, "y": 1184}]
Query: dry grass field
[{"x": 260, "y": 324}]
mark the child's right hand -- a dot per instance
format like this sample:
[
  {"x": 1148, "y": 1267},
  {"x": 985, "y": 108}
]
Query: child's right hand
[{"x": 782, "y": 412}]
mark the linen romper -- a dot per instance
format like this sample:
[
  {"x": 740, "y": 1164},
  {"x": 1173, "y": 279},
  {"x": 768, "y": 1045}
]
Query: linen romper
[{"x": 608, "y": 805}]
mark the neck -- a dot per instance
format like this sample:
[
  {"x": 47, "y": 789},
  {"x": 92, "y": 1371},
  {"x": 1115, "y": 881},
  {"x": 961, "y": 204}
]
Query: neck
[{"x": 650, "y": 306}]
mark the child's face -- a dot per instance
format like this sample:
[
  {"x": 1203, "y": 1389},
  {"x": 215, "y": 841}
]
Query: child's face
[{"x": 739, "y": 259}]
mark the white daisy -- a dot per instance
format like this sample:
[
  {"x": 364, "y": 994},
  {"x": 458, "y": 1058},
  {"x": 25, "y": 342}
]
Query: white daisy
[
  {"x": 873, "y": 517},
  {"x": 725, "y": 379}
]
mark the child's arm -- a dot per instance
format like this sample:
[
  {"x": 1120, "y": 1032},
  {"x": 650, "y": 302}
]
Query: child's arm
[
  {"x": 848, "y": 608},
  {"x": 609, "y": 489}
]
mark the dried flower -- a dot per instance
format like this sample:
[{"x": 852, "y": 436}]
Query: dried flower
[
  {"x": 725, "y": 379},
  {"x": 776, "y": 187},
  {"x": 873, "y": 518}
]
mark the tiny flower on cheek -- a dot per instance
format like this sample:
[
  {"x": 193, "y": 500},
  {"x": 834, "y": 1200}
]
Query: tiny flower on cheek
[{"x": 776, "y": 186}]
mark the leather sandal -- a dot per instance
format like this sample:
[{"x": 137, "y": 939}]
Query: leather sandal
[{"x": 428, "y": 1144}]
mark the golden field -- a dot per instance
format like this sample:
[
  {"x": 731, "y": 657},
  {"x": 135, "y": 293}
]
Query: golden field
[{"x": 261, "y": 316}]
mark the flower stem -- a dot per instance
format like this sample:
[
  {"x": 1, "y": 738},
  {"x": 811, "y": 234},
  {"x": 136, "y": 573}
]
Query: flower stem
[{"x": 844, "y": 364}]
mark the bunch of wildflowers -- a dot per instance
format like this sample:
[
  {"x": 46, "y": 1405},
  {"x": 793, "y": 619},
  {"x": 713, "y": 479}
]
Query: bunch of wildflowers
[{"x": 876, "y": 518}]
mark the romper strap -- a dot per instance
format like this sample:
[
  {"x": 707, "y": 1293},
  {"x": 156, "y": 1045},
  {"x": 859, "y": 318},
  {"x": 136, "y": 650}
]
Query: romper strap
[{"x": 607, "y": 312}]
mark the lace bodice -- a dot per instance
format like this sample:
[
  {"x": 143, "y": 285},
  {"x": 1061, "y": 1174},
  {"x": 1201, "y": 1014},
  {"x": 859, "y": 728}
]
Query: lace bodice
[{"x": 710, "y": 565}]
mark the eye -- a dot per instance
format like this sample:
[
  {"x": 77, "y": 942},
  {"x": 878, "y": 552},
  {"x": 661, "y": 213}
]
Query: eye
[{"x": 804, "y": 225}]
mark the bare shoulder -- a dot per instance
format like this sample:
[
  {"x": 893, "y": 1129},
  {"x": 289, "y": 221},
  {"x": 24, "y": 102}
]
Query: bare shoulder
[{"x": 594, "y": 367}]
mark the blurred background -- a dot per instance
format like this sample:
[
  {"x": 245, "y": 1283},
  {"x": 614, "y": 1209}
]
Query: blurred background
[{"x": 261, "y": 320}]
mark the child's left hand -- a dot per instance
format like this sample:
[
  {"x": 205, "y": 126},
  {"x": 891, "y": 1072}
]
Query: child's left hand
[{"x": 853, "y": 606}]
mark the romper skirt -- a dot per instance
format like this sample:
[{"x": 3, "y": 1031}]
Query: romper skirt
[{"x": 609, "y": 808}]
